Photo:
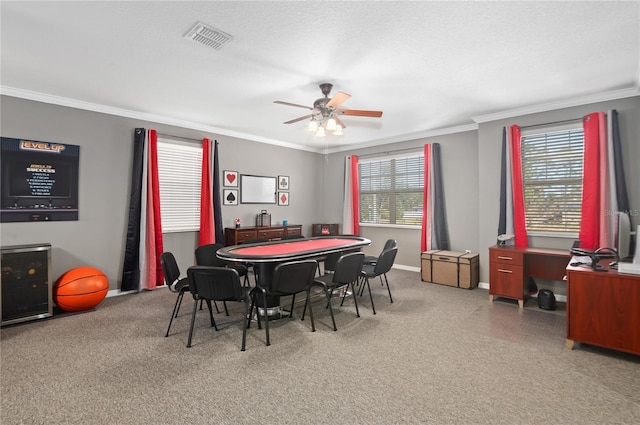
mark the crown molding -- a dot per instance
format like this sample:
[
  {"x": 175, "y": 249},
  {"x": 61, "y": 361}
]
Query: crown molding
[
  {"x": 545, "y": 107},
  {"x": 408, "y": 137},
  {"x": 94, "y": 107}
]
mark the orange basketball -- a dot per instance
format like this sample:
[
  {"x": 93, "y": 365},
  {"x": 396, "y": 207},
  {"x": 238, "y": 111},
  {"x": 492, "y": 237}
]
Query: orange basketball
[{"x": 80, "y": 289}]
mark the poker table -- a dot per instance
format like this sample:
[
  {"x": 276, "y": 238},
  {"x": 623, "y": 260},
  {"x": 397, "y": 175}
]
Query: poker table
[{"x": 265, "y": 256}]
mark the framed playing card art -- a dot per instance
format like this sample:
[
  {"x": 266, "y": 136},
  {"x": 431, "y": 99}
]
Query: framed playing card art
[
  {"x": 283, "y": 198},
  {"x": 230, "y": 197},
  {"x": 283, "y": 182},
  {"x": 230, "y": 179}
]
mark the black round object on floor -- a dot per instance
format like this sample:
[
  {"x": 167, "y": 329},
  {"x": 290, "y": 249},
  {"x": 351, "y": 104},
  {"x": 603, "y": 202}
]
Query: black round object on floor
[{"x": 546, "y": 299}]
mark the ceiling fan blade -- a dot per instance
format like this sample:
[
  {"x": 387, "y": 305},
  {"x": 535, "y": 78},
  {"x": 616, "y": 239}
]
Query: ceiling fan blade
[
  {"x": 292, "y": 104},
  {"x": 337, "y": 100},
  {"x": 360, "y": 113},
  {"x": 338, "y": 120},
  {"x": 298, "y": 119}
]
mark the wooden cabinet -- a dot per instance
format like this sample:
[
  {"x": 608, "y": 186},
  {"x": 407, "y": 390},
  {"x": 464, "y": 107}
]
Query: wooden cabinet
[
  {"x": 506, "y": 275},
  {"x": 238, "y": 235},
  {"x": 510, "y": 269},
  {"x": 602, "y": 308}
]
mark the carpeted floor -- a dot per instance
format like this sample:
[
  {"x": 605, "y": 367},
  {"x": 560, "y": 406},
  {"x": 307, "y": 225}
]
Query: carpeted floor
[{"x": 437, "y": 355}]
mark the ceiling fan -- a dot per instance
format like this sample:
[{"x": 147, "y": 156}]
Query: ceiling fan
[{"x": 325, "y": 111}]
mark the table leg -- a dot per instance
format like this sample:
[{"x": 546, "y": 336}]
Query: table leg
[
  {"x": 521, "y": 303},
  {"x": 491, "y": 298},
  {"x": 570, "y": 344}
]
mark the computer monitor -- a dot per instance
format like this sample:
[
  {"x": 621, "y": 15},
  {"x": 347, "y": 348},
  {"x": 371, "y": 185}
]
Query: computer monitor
[{"x": 623, "y": 235}]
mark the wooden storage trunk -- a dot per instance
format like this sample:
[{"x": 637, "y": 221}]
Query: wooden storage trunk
[{"x": 451, "y": 268}]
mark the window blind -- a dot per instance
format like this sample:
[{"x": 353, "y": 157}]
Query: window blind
[
  {"x": 179, "y": 173},
  {"x": 552, "y": 167},
  {"x": 391, "y": 190}
]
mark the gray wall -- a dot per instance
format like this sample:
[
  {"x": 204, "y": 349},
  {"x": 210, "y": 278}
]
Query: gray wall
[
  {"x": 97, "y": 239},
  {"x": 490, "y": 138},
  {"x": 459, "y": 154},
  {"x": 470, "y": 166}
]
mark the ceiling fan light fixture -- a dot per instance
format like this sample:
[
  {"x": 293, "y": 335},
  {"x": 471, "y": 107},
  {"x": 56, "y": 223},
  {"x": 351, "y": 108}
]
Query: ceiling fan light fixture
[
  {"x": 331, "y": 124},
  {"x": 320, "y": 132},
  {"x": 338, "y": 131},
  {"x": 313, "y": 125}
]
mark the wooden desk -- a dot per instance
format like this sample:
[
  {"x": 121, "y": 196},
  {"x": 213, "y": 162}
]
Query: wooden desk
[
  {"x": 603, "y": 308},
  {"x": 511, "y": 267}
]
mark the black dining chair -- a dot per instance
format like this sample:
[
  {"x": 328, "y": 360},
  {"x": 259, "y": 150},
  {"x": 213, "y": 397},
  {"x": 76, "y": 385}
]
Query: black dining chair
[
  {"x": 380, "y": 268},
  {"x": 371, "y": 259},
  {"x": 291, "y": 278},
  {"x": 206, "y": 256},
  {"x": 219, "y": 284},
  {"x": 174, "y": 282},
  {"x": 346, "y": 274}
]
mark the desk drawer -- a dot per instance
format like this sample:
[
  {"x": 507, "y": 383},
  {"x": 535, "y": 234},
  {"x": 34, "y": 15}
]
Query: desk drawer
[
  {"x": 244, "y": 235},
  {"x": 271, "y": 233},
  {"x": 506, "y": 280},
  {"x": 504, "y": 256}
]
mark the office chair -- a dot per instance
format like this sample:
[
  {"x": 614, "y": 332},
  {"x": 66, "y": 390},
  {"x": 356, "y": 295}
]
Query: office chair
[
  {"x": 347, "y": 273},
  {"x": 380, "y": 268},
  {"x": 291, "y": 278},
  {"x": 174, "y": 282},
  {"x": 219, "y": 284}
]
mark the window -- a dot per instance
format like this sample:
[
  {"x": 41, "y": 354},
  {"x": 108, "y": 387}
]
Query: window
[
  {"x": 179, "y": 173},
  {"x": 391, "y": 190},
  {"x": 552, "y": 165}
]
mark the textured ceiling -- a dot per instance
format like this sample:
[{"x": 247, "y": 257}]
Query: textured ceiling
[{"x": 430, "y": 66}]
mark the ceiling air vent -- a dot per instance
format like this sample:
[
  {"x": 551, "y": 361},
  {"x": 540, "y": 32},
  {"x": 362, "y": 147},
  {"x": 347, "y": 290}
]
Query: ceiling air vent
[{"x": 208, "y": 36}]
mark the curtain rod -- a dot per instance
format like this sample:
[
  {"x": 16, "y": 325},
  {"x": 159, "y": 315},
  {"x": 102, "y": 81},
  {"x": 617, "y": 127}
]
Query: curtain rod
[
  {"x": 418, "y": 149},
  {"x": 552, "y": 123},
  {"x": 191, "y": 139}
]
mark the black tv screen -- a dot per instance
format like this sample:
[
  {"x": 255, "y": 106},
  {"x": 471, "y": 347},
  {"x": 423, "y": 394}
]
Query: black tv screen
[{"x": 50, "y": 179}]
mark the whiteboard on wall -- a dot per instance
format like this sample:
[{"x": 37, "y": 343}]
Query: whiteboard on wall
[{"x": 257, "y": 189}]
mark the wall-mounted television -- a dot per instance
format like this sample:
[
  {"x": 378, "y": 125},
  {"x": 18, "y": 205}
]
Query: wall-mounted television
[
  {"x": 257, "y": 189},
  {"x": 39, "y": 180}
]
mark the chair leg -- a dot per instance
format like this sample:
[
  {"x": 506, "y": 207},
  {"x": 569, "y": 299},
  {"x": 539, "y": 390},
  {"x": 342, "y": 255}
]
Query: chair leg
[
  {"x": 308, "y": 301},
  {"x": 245, "y": 323},
  {"x": 366, "y": 282},
  {"x": 329, "y": 294},
  {"x": 355, "y": 299},
  {"x": 213, "y": 322},
  {"x": 226, "y": 312},
  {"x": 215, "y": 304},
  {"x": 174, "y": 313},
  {"x": 193, "y": 319},
  {"x": 293, "y": 300},
  {"x": 388, "y": 289}
]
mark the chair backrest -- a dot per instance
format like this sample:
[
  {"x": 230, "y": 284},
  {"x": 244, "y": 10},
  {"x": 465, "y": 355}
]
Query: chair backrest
[
  {"x": 206, "y": 255},
  {"x": 169, "y": 268},
  {"x": 390, "y": 243},
  {"x": 385, "y": 261},
  {"x": 293, "y": 277},
  {"x": 214, "y": 283},
  {"x": 348, "y": 268}
]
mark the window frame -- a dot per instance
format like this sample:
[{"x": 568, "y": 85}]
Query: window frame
[
  {"x": 575, "y": 131},
  {"x": 392, "y": 191},
  {"x": 179, "y": 179}
]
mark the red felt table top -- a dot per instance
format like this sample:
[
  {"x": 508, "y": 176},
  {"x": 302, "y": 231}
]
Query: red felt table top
[{"x": 273, "y": 251}]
